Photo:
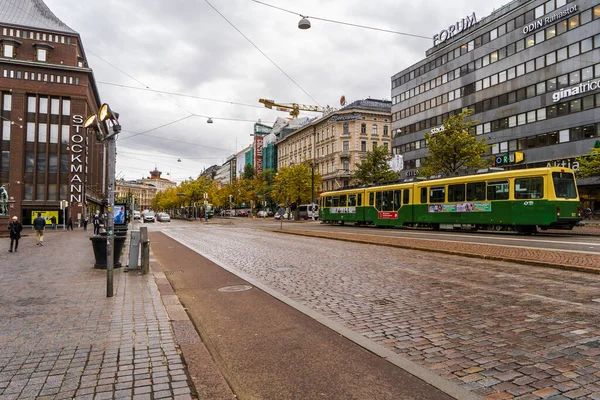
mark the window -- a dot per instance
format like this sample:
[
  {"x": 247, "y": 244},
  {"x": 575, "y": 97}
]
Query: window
[
  {"x": 345, "y": 129},
  {"x": 529, "y": 188},
  {"x": 42, "y": 133},
  {"x": 363, "y": 145},
  {"x": 41, "y": 162},
  {"x": 456, "y": 193},
  {"x": 42, "y": 55},
  {"x": 374, "y": 145},
  {"x": 8, "y": 50},
  {"x": 5, "y": 130},
  {"x": 476, "y": 191},
  {"x": 563, "y": 136},
  {"x": 564, "y": 185},
  {"x": 363, "y": 128},
  {"x": 406, "y": 196},
  {"x": 385, "y": 130},
  {"x": 53, "y": 133},
  {"x": 437, "y": 194},
  {"x": 31, "y": 132},
  {"x": 497, "y": 190},
  {"x": 423, "y": 195},
  {"x": 374, "y": 129}
]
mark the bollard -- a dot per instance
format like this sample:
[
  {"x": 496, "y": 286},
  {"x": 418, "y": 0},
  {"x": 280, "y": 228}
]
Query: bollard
[
  {"x": 134, "y": 250},
  {"x": 145, "y": 247}
]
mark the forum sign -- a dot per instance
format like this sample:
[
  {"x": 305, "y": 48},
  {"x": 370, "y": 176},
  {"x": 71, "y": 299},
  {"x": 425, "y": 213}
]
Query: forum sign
[{"x": 455, "y": 29}]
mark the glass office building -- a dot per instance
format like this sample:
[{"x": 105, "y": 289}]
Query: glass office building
[{"x": 531, "y": 73}]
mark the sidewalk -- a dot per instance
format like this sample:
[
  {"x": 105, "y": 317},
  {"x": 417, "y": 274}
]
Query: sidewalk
[{"x": 61, "y": 337}]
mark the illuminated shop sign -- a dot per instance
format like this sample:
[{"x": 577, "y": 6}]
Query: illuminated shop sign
[
  {"x": 455, "y": 29},
  {"x": 508, "y": 158},
  {"x": 540, "y": 23},
  {"x": 78, "y": 148},
  {"x": 575, "y": 90}
]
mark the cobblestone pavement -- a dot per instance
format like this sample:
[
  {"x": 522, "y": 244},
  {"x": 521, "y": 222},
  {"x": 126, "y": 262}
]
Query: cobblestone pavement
[
  {"x": 62, "y": 338},
  {"x": 502, "y": 330}
]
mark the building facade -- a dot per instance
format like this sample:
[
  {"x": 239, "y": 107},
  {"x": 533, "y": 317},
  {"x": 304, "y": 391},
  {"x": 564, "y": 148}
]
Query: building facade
[
  {"x": 531, "y": 73},
  {"x": 335, "y": 143},
  {"x": 46, "y": 92},
  {"x": 141, "y": 193},
  {"x": 157, "y": 181}
]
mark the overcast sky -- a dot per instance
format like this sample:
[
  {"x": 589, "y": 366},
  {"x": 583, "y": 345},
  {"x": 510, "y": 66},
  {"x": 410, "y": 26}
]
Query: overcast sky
[{"x": 185, "y": 47}]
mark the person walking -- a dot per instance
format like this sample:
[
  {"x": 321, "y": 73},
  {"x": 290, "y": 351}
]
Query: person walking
[
  {"x": 85, "y": 222},
  {"x": 96, "y": 223},
  {"x": 15, "y": 229},
  {"x": 70, "y": 224},
  {"x": 53, "y": 220},
  {"x": 39, "y": 224}
]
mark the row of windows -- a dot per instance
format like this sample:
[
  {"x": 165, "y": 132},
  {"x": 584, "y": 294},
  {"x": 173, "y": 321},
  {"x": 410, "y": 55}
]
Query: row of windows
[
  {"x": 42, "y": 52},
  {"x": 324, "y": 150},
  {"x": 529, "y": 142},
  {"x": 562, "y": 54},
  {"x": 32, "y": 76},
  {"x": 485, "y": 38},
  {"x": 582, "y": 75},
  {"x": 541, "y": 114},
  {"x": 40, "y": 192},
  {"x": 24, "y": 34},
  {"x": 523, "y": 188},
  {"x": 522, "y": 44},
  {"x": 48, "y": 105},
  {"x": 45, "y": 135}
]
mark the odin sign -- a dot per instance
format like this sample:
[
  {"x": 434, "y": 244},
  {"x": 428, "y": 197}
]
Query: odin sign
[
  {"x": 540, "y": 23},
  {"x": 455, "y": 29}
]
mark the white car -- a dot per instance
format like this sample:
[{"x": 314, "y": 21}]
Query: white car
[
  {"x": 137, "y": 215},
  {"x": 163, "y": 217},
  {"x": 149, "y": 216}
]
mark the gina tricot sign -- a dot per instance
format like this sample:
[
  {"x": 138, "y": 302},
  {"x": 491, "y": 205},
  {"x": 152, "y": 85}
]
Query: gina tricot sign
[
  {"x": 575, "y": 90},
  {"x": 455, "y": 29},
  {"x": 549, "y": 19}
]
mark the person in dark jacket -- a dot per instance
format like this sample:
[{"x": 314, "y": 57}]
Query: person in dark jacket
[
  {"x": 70, "y": 224},
  {"x": 15, "y": 229},
  {"x": 39, "y": 224}
]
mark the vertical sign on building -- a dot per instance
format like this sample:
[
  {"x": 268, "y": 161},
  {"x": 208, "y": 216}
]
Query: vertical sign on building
[
  {"x": 258, "y": 154},
  {"x": 78, "y": 150}
]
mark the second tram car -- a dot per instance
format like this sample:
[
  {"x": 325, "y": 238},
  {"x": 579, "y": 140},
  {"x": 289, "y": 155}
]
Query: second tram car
[{"x": 520, "y": 200}]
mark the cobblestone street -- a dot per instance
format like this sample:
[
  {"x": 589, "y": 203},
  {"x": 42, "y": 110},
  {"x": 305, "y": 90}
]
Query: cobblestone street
[
  {"x": 502, "y": 330},
  {"x": 62, "y": 338}
]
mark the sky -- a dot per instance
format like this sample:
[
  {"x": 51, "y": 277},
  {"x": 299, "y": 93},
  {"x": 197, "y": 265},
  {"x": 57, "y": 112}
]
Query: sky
[{"x": 168, "y": 66}]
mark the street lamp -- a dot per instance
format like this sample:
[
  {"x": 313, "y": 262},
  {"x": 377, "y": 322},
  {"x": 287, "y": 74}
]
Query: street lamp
[{"x": 97, "y": 123}]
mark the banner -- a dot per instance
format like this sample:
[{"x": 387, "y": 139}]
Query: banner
[
  {"x": 47, "y": 215},
  {"x": 461, "y": 207},
  {"x": 120, "y": 214}
]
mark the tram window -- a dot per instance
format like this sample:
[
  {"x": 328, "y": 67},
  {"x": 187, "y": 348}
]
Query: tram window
[
  {"x": 328, "y": 201},
  {"x": 360, "y": 199},
  {"x": 564, "y": 185},
  {"x": 343, "y": 200},
  {"x": 371, "y": 198},
  {"x": 352, "y": 200},
  {"x": 406, "y": 196},
  {"x": 379, "y": 201},
  {"x": 437, "y": 194},
  {"x": 397, "y": 195},
  {"x": 476, "y": 191},
  {"x": 456, "y": 193},
  {"x": 423, "y": 195},
  {"x": 497, "y": 190},
  {"x": 529, "y": 188},
  {"x": 387, "y": 201},
  {"x": 335, "y": 201}
]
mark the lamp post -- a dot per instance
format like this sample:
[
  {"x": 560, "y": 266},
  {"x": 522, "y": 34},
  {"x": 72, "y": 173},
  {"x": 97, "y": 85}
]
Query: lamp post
[
  {"x": 312, "y": 191},
  {"x": 97, "y": 123}
]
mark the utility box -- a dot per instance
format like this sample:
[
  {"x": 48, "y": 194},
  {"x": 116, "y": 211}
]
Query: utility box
[{"x": 134, "y": 250}]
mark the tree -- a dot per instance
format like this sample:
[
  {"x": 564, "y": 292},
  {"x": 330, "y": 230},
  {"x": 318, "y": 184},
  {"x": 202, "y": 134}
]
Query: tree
[
  {"x": 293, "y": 185},
  {"x": 589, "y": 165},
  {"x": 375, "y": 168},
  {"x": 248, "y": 172},
  {"x": 455, "y": 148}
]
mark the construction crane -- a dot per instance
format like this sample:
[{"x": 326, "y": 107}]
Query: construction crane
[{"x": 295, "y": 108}]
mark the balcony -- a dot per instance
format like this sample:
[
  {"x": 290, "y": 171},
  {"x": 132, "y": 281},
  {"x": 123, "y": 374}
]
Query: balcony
[{"x": 345, "y": 153}]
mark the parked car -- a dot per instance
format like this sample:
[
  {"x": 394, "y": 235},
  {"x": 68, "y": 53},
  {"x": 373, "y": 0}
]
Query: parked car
[
  {"x": 261, "y": 214},
  {"x": 149, "y": 216},
  {"x": 163, "y": 217},
  {"x": 137, "y": 215}
]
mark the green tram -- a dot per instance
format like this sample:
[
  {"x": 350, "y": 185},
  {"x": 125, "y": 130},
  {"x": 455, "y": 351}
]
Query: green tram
[{"x": 520, "y": 200}]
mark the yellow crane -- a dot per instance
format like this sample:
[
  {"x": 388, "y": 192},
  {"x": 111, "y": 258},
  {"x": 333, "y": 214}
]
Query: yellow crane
[{"x": 295, "y": 108}]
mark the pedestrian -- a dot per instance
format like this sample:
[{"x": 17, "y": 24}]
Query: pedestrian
[
  {"x": 53, "y": 220},
  {"x": 15, "y": 229},
  {"x": 39, "y": 224},
  {"x": 70, "y": 224},
  {"x": 96, "y": 223},
  {"x": 85, "y": 222}
]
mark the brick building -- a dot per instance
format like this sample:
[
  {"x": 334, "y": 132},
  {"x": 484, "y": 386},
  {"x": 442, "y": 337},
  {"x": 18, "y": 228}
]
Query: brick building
[{"x": 46, "y": 92}]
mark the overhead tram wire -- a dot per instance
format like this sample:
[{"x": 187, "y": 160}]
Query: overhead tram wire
[
  {"x": 344, "y": 23},
  {"x": 182, "y": 95},
  {"x": 263, "y": 53}
]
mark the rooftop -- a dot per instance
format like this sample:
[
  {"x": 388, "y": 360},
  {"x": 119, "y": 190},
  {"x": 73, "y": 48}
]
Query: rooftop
[{"x": 32, "y": 14}]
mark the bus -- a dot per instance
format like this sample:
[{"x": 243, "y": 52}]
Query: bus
[{"x": 518, "y": 200}]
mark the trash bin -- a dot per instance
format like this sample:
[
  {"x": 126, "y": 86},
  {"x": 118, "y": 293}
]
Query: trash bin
[{"x": 99, "y": 245}]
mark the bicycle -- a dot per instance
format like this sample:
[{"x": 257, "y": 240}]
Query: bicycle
[{"x": 589, "y": 214}]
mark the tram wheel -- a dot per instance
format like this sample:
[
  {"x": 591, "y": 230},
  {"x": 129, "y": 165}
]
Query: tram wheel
[{"x": 498, "y": 228}]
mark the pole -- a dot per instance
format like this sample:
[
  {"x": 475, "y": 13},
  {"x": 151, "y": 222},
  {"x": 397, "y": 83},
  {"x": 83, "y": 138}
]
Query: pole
[
  {"x": 312, "y": 193},
  {"x": 110, "y": 235}
]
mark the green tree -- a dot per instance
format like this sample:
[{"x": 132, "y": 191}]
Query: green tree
[
  {"x": 455, "y": 148},
  {"x": 248, "y": 172},
  {"x": 294, "y": 185},
  {"x": 375, "y": 168},
  {"x": 589, "y": 165}
]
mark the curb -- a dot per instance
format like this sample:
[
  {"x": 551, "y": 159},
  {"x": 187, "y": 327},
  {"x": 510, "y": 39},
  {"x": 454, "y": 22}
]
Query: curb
[
  {"x": 451, "y": 252},
  {"x": 206, "y": 377}
]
